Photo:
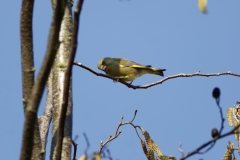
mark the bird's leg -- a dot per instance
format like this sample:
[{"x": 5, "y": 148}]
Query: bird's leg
[
  {"x": 117, "y": 79},
  {"x": 131, "y": 83}
]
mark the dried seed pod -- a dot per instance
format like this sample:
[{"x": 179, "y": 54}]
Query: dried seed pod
[
  {"x": 215, "y": 133},
  {"x": 216, "y": 93}
]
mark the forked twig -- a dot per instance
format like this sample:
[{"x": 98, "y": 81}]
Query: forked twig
[
  {"x": 180, "y": 148},
  {"x": 117, "y": 133},
  {"x": 74, "y": 149},
  {"x": 208, "y": 143},
  {"x": 88, "y": 144},
  {"x": 217, "y": 135}
]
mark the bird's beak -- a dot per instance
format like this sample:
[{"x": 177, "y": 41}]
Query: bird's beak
[{"x": 102, "y": 67}]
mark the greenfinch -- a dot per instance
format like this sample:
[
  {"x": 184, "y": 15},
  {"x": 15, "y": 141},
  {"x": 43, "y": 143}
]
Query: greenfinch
[{"x": 126, "y": 70}]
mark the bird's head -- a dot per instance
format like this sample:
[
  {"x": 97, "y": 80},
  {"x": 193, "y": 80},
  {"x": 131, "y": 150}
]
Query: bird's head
[{"x": 103, "y": 63}]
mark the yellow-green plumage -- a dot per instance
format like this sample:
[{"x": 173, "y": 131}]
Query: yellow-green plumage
[
  {"x": 202, "y": 5},
  {"x": 126, "y": 70}
]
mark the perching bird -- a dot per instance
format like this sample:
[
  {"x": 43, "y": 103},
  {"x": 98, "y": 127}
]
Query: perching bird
[{"x": 126, "y": 70}]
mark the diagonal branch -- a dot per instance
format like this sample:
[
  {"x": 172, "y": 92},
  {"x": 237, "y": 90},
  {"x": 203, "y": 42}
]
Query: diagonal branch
[
  {"x": 160, "y": 81},
  {"x": 196, "y": 151}
]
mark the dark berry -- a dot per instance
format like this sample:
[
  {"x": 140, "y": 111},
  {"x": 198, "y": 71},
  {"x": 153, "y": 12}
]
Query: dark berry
[
  {"x": 215, "y": 133},
  {"x": 216, "y": 92}
]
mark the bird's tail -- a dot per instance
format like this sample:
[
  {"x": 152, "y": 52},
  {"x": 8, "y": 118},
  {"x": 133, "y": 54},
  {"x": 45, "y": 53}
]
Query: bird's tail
[{"x": 158, "y": 71}]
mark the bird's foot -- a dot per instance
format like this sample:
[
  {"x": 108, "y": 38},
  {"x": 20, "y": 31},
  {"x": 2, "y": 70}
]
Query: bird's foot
[
  {"x": 116, "y": 80},
  {"x": 130, "y": 83}
]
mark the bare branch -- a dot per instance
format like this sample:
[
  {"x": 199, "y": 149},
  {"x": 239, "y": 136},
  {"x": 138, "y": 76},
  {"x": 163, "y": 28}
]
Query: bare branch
[
  {"x": 58, "y": 76},
  {"x": 68, "y": 74},
  {"x": 28, "y": 68},
  {"x": 88, "y": 144},
  {"x": 109, "y": 154},
  {"x": 158, "y": 82},
  {"x": 117, "y": 132},
  {"x": 180, "y": 148},
  {"x": 216, "y": 95},
  {"x": 196, "y": 151},
  {"x": 222, "y": 119},
  {"x": 45, "y": 119},
  {"x": 134, "y": 116},
  {"x": 27, "y": 49},
  {"x": 110, "y": 138},
  {"x": 37, "y": 91},
  {"x": 74, "y": 150},
  {"x": 215, "y": 134}
]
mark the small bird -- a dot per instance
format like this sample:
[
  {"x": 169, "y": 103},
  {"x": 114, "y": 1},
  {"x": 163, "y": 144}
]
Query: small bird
[
  {"x": 126, "y": 70},
  {"x": 202, "y": 5}
]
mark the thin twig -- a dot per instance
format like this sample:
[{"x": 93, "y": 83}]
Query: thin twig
[
  {"x": 180, "y": 148},
  {"x": 117, "y": 133},
  {"x": 74, "y": 149},
  {"x": 75, "y": 138},
  {"x": 68, "y": 74},
  {"x": 157, "y": 82},
  {"x": 222, "y": 123},
  {"x": 210, "y": 147},
  {"x": 221, "y": 114},
  {"x": 109, "y": 154},
  {"x": 216, "y": 95},
  {"x": 102, "y": 145},
  {"x": 88, "y": 144},
  {"x": 134, "y": 116},
  {"x": 104, "y": 155},
  {"x": 208, "y": 143}
]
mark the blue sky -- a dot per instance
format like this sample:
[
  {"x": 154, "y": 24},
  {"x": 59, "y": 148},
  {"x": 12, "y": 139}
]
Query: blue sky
[{"x": 167, "y": 34}]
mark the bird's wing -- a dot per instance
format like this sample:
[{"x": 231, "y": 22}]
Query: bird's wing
[
  {"x": 127, "y": 63},
  {"x": 136, "y": 65},
  {"x": 139, "y": 66}
]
